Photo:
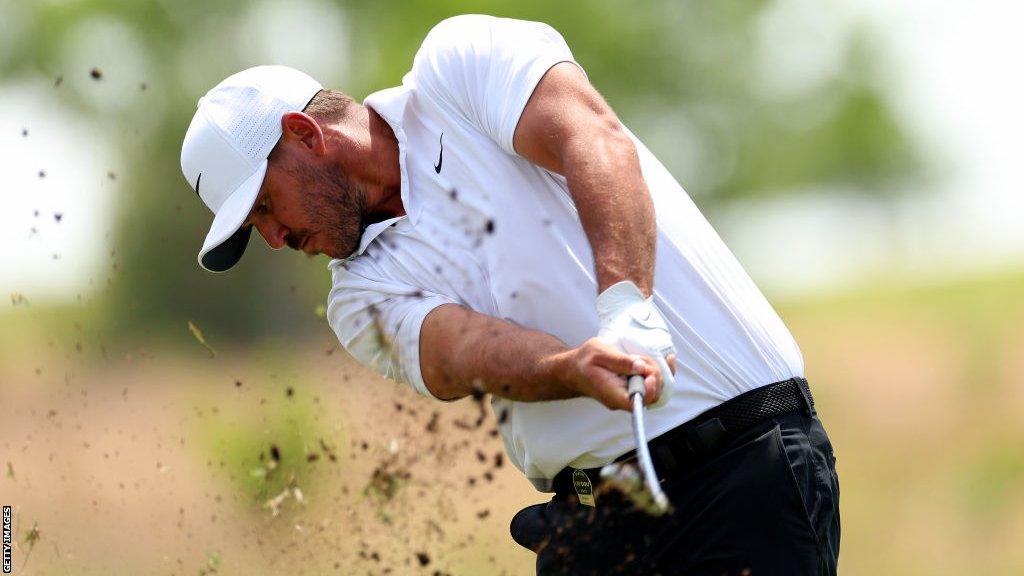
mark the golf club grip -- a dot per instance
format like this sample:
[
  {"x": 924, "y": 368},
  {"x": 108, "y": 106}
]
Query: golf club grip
[{"x": 635, "y": 385}]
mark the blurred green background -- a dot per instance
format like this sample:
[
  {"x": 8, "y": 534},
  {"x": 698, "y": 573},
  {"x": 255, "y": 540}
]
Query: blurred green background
[{"x": 854, "y": 155}]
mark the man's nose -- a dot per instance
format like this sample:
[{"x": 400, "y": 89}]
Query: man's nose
[{"x": 273, "y": 232}]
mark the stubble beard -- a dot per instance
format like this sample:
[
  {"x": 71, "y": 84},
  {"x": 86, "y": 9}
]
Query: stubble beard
[{"x": 334, "y": 207}]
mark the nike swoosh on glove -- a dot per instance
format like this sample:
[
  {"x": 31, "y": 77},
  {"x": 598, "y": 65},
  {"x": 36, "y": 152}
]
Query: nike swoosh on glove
[{"x": 634, "y": 325}]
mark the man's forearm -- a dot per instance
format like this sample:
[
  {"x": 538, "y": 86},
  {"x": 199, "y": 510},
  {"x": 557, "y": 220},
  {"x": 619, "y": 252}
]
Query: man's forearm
[
  {"x": 462, "y": 351},
  {"x": 615, "y": 207}
]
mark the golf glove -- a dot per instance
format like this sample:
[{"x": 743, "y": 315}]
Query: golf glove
[{"x": 632, "y": 323}]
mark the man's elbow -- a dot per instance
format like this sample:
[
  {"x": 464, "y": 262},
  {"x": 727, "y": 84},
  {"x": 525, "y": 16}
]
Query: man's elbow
[
  {"x": 439, "y": 348},
  {"x": 611, "y": 138},
  {"x": 442, "y": 386},
  {"x": 604, "y": 142}
]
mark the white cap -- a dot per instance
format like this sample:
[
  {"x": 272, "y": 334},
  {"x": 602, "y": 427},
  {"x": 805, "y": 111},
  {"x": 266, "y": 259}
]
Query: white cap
[{"x": 224, "y": 155}]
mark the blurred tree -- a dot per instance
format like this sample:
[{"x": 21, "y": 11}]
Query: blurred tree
[{"x": 688, "y": 77}]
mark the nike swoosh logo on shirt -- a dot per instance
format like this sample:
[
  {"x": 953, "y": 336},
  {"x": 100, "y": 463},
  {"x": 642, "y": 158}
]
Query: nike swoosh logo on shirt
[
  {"x": 197, "y": 185},
  {"x": 440, "y": 157}
]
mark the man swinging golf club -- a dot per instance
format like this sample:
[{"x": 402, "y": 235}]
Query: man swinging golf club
[{"x": 474, "y": 213}]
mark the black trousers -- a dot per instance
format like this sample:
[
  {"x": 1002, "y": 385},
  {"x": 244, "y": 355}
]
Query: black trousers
[{"x": 764, "y": 504}]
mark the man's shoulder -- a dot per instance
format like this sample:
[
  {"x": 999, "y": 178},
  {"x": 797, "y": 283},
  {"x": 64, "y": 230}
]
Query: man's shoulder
[
  {"x": 355, "y": 278},
  {"x": 455, "y": 33},
  {"x": 471, "y": 29},
  {"x": 461, "y": 25}
]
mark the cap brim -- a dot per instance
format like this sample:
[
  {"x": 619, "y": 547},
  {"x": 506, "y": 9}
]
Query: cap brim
[{"x": 226, "y": 241}]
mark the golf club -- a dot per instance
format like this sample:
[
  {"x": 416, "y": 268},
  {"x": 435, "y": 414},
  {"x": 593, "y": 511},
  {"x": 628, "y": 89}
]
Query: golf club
[{"x": 623, "y": 475}]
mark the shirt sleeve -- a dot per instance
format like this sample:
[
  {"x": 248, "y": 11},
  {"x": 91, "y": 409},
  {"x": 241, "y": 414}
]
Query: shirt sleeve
[
  {"x": 378, "y": 322},
  {"x": 485, "y": 68}
]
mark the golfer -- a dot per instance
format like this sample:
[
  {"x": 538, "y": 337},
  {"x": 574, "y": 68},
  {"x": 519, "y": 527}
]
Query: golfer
[{"x": 495, "y": 228}]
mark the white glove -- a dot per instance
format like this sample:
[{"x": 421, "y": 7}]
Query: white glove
[{"x": 635, "y": 326}]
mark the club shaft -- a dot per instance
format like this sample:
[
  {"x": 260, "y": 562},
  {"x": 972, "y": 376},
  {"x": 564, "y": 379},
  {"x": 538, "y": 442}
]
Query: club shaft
[{"x": 643, "y": 454}]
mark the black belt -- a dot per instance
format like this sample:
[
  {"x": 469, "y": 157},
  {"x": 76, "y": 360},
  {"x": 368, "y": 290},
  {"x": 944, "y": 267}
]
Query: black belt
[{"x": 693, "y": 441}]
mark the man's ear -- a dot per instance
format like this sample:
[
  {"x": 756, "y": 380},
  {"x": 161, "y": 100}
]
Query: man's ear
[{"x": 301, "y": 128}]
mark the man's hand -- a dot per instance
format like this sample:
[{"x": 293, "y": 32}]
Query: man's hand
[
  {"x": 599, "y": 370},
  {"x": 632, "y": 324}
]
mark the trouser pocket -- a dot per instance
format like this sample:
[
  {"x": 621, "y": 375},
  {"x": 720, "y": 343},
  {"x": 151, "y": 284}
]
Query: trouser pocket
[{"x": 808, "y": 452}]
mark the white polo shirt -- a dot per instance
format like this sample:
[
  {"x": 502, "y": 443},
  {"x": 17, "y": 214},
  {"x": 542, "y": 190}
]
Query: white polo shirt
[{"x": 489, "y": 230}]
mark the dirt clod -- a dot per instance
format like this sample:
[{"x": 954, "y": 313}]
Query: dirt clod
[
  {"x": 432, "y": 425},
  {"x": 423, "y": 558}
]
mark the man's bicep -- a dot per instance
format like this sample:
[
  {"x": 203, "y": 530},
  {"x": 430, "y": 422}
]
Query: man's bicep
[
  {"x": 443, "y": 337},
  {"x": 564, "y": 110}
]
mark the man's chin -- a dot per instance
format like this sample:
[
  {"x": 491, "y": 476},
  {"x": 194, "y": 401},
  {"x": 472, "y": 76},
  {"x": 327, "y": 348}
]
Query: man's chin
[
  {"x": 332, "y": 246},
  {"x": 339, "y": 253}
]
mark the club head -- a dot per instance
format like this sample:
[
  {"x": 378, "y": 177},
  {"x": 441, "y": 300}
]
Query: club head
[{"x": 626, "y": 478}]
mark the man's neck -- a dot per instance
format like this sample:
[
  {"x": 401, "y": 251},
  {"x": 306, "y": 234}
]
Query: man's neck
[
  {"x": 366, "y": 150},
  {"x": 384, "y": 166}
]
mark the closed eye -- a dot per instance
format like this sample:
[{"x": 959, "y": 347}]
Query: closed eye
[{"x": 260, "y": 209}]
